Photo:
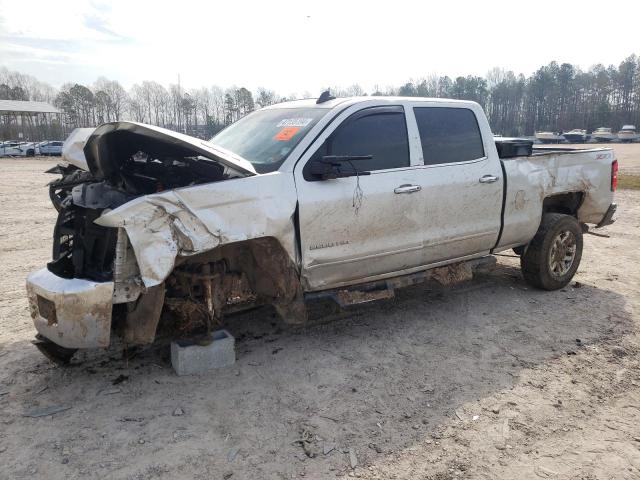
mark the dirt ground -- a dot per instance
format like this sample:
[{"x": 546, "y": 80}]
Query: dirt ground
[{"x": 490, "y": 380}]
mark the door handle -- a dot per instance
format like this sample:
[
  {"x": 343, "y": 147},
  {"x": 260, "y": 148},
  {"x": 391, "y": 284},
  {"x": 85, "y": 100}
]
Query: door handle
[
  {"x": 488, "y": 179},
  {"x": 406, "y": 188}
]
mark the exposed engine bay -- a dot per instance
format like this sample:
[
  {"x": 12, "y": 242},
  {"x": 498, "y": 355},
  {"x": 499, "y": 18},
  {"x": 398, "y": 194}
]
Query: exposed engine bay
[
  {"x": 126, "y": 161},
  {"x": 135, "y": 165}
]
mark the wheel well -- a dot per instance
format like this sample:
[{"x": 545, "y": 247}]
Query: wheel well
[
  {"x": 264, "y": 260},
  {"x": 567, "y": 203},
  {"x": 236, "y": 275}
]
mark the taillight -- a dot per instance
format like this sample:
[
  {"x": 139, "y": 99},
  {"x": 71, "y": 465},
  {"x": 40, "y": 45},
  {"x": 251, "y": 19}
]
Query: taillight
[{"x": 614, "y": 176}]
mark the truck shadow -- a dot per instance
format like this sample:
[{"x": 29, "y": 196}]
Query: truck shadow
[{"x": 378, "y": 377}]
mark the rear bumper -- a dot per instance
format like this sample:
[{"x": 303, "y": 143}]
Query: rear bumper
[
  {"x": 608, "y": 217},
  {"x": 73, "y": 313}
]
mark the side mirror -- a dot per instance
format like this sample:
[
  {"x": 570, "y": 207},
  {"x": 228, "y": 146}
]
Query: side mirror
[
  {"x": 320, "y": 168},
  {"x": 333, "y": 166}
]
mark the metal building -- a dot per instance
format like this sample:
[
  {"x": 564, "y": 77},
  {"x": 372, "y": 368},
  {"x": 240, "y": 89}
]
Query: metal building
[{"x": 29, "y": 121}]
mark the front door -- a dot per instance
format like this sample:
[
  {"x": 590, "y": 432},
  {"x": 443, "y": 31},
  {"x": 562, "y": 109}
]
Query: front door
[{"x": 362, "y": 226}]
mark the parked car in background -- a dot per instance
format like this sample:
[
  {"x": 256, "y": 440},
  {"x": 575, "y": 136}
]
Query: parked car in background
[
  {"x": 51, "y": 147},
  {"x": 19, "y": 149},
  {"x": 7, "y": 146}
]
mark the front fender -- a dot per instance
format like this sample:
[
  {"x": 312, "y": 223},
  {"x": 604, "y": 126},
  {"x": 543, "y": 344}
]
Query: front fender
[{"x": 192, "y": 220}]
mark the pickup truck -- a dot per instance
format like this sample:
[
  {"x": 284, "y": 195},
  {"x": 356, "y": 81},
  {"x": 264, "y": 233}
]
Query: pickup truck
[{"x": 296, "y": 200}]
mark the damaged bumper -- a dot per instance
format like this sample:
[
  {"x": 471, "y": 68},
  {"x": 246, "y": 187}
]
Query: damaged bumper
[{"x": 73, "y": 313}]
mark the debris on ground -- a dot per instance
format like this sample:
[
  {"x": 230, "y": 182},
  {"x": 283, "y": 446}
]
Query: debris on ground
[
  {"x": 46, "y": 411},
  {"x": 328, "y": 447},
  {"x": 308, "y": 441},
  {"x": 233, "y": 453},
  {"x": 131, "y": 419},
  {"x": 119, "y": 379},
  {"x": 377, "y": 448},
  {"x": 110, "y": 391},
  {"x": 353, "y": 459}
]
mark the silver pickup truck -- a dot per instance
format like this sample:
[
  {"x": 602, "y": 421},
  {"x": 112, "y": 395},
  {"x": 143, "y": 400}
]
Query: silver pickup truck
[{"x": 340, "y": 197}]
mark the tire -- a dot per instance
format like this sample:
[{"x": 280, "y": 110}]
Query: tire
[
  {"x": 554, "y": 254},
  {"x": 31, "y": 153}
]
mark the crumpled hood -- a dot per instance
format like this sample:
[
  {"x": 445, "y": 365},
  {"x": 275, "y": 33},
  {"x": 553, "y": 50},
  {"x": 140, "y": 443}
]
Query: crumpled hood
[
  {"x": 72, "y": 149},
  {"x": 112, "y": 143},
  {"x": 192, "y": 220}
]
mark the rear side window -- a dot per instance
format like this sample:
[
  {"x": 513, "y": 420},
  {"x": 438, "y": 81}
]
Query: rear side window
[
  {"x": 448, "y": 135},
  {"x": 382, "y": 135}
]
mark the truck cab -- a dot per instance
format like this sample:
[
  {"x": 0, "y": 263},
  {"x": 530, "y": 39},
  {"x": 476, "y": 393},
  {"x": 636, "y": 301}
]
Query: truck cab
[{"x": 429, "y": 159}]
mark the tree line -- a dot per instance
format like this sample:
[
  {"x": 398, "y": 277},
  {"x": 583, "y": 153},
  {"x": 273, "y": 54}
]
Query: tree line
[{"x": 556, "y": 97}]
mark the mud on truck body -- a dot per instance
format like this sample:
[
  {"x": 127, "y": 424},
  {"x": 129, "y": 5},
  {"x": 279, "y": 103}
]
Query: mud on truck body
[{"x": 297, "y": 200}]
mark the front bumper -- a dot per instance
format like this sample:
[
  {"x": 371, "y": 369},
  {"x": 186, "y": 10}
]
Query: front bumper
[
  {"x": 73, "y": 313},
  {"x": 608, "y": 217}
]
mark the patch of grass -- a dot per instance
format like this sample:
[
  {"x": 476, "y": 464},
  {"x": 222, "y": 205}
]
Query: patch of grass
[{"x": 629, "y": 181}]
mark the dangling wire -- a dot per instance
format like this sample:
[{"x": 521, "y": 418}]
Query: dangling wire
[{"x": 357, "y": 193}]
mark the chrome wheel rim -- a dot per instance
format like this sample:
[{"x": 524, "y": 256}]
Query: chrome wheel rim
[{"x": 562, "y": 253}]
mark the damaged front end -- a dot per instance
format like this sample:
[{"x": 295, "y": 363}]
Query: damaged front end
[{"x": 128, "y": 246}]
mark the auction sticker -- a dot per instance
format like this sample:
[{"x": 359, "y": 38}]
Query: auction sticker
[
  {"x": 286, "y": 134},
  {"x": 294, "y": 122}
]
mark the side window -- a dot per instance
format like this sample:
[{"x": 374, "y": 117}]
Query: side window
[
  {"x": 448, "y": 135},
  {"x": 382, "y": 135}
]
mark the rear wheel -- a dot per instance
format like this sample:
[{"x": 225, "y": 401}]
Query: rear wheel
[
  {"x": 31, "y": 153},
  {"x": 554, "y": 254}
]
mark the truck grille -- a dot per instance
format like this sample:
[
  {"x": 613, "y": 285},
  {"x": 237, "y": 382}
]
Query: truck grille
[{"x": 82, "y": 249}]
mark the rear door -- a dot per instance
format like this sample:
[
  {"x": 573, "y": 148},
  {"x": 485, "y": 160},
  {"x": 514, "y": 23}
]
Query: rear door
[
  {"x": 359, "y": 227},
  {"x": 461, "y": 180}
]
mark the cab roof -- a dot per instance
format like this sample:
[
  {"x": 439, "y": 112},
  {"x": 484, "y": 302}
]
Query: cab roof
[{"x": 344, "y": 101}]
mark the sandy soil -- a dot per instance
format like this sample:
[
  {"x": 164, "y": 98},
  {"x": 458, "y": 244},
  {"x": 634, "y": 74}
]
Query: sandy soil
[{"x": 490, "y": 380}]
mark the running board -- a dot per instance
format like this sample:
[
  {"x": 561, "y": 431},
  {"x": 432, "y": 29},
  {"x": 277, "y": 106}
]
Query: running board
[{"x": 445, "y": 276}]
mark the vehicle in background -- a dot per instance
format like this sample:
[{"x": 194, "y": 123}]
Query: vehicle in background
[
  {"x": 628, "y": 134},
  {"x": 8, "y": 146},
  {"x": 575, "y": 136},
  {"x": 603, "y": 135},
  {"x": 51, "y": 147},
  {"x": 549, "y": 137},
  {"x": 19, "y": 149}
]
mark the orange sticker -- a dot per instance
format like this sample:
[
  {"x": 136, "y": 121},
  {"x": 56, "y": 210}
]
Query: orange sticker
[{"x": 286, "y": 134}]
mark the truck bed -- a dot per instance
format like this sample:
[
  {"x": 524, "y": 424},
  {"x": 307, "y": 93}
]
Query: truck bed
[{"x": 583, "y": 173}]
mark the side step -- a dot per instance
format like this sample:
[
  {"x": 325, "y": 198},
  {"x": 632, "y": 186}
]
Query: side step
[{"x": 445, "y": 276}]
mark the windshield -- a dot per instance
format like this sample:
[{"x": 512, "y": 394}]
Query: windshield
[{"x": 266, "y": 137}]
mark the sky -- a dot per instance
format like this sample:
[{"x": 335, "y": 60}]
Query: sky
[{"x": 305, "y": 45}]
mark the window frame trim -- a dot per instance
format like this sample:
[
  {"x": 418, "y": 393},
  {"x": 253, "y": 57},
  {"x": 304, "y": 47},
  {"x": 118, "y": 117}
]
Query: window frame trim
[
  {"x": 413, "y": 107},
  {"x": 353, "y": 116}
]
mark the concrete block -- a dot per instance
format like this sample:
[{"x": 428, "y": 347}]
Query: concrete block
[{"x": 200, "y": 355}]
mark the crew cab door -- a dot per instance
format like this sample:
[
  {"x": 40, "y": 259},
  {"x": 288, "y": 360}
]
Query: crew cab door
[
  {"x": 461, "y": 179},
  {"x": 361, "y": 226}
]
